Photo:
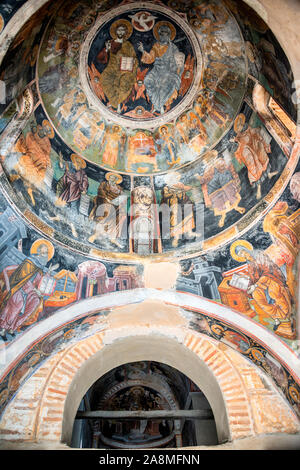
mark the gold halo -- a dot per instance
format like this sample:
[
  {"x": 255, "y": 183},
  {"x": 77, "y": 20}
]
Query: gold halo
[
  {"x": 257, "y": 354},
  {"x": 38, "y": 243},
  {"x": 46, "y": 123},
  {"x": 137, "y": 388},
  {"x": 77, "y": 158},
  {"x": 163, "y": 127},
  {"x": 108, "y": 175},
  {"x": 81, "y": 96},
  {"x": 217, "y": 329},
  {"x": 240, "y": 119},
  {"x": 237, "y": 243},
  {"x": 118, "y": 23},
  {"x": 139, "y": 107},
  {"x": 194, "y": 21},
  {"x": 163, "y": 23},
  {"x": 293, "y": 389}
]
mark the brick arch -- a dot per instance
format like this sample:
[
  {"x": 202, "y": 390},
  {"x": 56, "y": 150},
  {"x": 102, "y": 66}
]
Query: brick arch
[
  {"x": 59, "y": 388},
  {"x": 231, "y": 384},
  {"x": 213, "y": 380},
  {"x": 45, "y": 406}
]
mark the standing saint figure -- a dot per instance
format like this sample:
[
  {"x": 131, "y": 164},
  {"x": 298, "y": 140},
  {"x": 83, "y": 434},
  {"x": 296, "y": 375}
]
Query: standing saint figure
[
  {"x": 119, "y": 76},
  {"x": 73, "y": 183},
  {"x": 112, "y": 145},
  {"x": 35, "y": 159},
  {"x": 24, "y": 301},
  {"x": 108, "y": 210},
  {"x": 167, "y": 147},
  {"x": 253, "y": 152},
  {"x": 163, "y": 81},
  {"x": 182, "y": 221}
]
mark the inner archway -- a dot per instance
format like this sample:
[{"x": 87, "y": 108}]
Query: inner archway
[
  {"x": 156, "y": 348},
  {"x": 144, "y": 404}
]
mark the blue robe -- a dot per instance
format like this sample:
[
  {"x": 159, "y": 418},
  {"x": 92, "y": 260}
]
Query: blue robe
[{"x": 163, "y": 79}]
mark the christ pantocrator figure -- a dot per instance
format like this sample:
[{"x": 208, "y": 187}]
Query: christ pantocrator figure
[
  {"x": 119, "y": 75},
  {"x": 163, "y": 81}
]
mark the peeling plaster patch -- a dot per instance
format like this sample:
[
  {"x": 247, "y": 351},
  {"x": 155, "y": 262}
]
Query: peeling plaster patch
[
  {"x": 161, "y": 275},
  {"x": 116, "y": 334},
  {"x": 149, "y": 313}
]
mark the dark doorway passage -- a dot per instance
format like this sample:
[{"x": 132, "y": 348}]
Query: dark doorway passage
[{"x": 144, "y": 405}]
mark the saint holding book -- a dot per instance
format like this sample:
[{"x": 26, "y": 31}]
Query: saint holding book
[
  {"x": 119, "y": 76},
  {"x": 26, "y": 288},
  {"x": 267, "y": 287}
]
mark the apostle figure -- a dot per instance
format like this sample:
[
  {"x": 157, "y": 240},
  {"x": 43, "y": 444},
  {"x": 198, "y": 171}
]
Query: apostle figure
[
  {"x": 35, "y": 159},
  {"x": 24, "y": 301},
  {"x": 253, "y": 152},
  {"x": 112, "y": 145},
  {"x": 207, "y": 106},
  {"x": 182, "y": 221},
  {"x": 182, "y": 126},
  {"x": 73, "y": 183},
  {"x": 221, "y": 186},
  {"x": 108, "y": 211},
  {"x": 163, "y": 81},
  {"x": 197, "y": 133},
  {"x": 167, "y": 147},
  {"x": 267, "y": 287},
  {"x": 119, "y": 75}
]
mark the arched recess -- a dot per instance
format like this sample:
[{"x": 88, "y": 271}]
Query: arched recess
[
  {"x": 142, "y": 348},
  {"x": 244, "y": 403},
  {"x": 57, "y": 387},
  {"x": 126, "y": 314}
]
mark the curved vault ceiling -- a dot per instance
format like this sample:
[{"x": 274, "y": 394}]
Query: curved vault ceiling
[{"x": 146, "y": 136}]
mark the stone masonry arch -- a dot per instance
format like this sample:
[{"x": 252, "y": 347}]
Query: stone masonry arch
[{"x": 58, "y": 386}]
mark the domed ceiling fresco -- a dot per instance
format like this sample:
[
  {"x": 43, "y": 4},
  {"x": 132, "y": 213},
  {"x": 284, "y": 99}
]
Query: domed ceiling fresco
[
  {"x": 150, "y": 131},
  {"x": 141, "y": 107}
]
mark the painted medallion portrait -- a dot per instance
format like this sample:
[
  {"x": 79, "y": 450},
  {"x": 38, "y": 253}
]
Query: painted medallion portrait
[{"x": 141, "y": 64}]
